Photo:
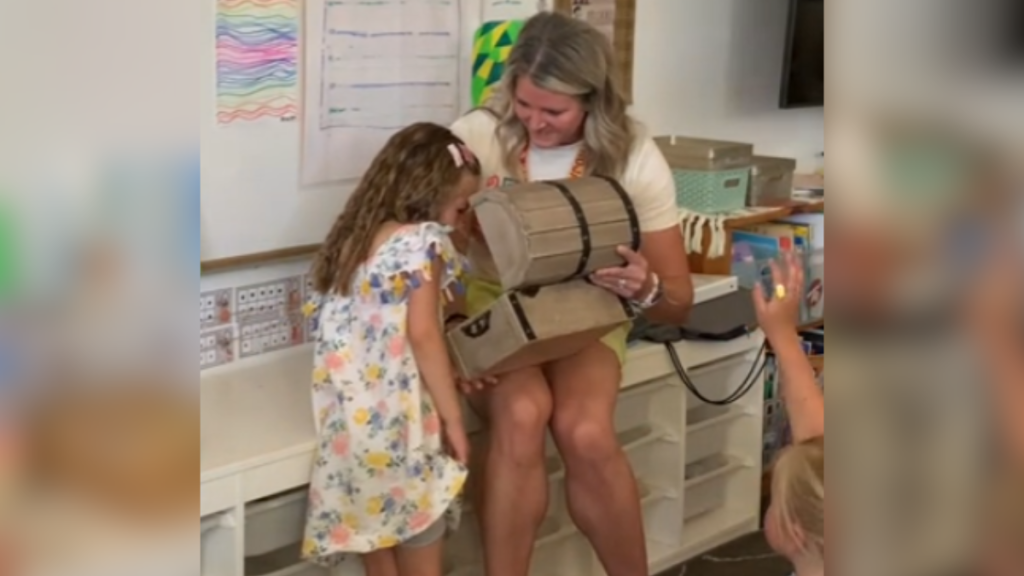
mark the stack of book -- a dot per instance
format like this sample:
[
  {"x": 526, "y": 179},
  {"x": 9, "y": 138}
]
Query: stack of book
[{"x": 755, "y": 247}]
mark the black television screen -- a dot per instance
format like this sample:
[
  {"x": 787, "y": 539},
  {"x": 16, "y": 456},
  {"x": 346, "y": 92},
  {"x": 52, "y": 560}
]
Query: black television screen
[{"x": 803, "y": 70}]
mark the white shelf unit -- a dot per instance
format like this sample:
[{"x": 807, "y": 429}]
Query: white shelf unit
[{"x": 699, "y": 466}]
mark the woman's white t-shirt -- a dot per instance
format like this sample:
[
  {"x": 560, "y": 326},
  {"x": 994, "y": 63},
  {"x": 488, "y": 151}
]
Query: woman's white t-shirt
[{"x": 647, "y": 177}]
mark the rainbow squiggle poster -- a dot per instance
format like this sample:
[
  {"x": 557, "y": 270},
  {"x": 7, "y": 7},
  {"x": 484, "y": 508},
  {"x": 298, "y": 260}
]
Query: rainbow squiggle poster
[{"x": 257, "y": 60}]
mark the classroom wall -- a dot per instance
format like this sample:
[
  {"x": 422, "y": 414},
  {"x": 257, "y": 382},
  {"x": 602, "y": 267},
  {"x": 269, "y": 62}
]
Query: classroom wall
[
  {"x": 713, "y": 68},
  {"x": 702, "y": 67}
]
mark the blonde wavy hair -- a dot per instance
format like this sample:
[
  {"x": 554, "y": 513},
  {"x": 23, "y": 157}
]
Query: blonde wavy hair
[
  {"x": 561, "y": 54},
  {"x": 798, "y": 492}
]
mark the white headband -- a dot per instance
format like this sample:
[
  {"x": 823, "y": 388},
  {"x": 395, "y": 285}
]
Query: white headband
[{"x": 453, "y": 149}]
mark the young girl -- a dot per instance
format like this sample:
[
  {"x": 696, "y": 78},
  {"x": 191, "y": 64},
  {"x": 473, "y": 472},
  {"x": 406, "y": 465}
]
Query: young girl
[
  {"x": 795, "y": 523},
  {"x": 391, "y": 459}
]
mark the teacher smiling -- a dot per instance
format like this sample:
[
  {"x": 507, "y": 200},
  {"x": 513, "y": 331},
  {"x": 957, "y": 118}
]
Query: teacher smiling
[{"x": 558, "y": 113}]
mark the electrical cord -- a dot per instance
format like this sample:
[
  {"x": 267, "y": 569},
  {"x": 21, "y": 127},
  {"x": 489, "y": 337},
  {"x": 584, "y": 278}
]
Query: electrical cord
[{"x": 756, "y": 370}]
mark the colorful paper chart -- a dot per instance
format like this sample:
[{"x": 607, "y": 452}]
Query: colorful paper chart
[{"x": 492, "y": 45}]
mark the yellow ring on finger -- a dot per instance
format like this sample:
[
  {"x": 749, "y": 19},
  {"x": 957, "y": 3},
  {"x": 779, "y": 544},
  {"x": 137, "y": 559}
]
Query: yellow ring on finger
[{"x": 780, "y": 291}]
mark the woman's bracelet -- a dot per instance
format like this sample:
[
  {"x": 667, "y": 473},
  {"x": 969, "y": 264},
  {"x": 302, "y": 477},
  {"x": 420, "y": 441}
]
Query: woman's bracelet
[{"x": 653, "y": 297}]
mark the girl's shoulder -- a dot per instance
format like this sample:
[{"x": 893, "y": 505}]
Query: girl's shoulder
[
  {"x": 406, "y": 259},
  {"x": 413, "y": 243}
]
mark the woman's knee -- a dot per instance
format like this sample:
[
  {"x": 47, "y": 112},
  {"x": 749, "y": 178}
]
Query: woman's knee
[
  {"x": 586, "y": 388},
  {"x": 584, "y": 439},
  {"x": 519, "y": 411}
]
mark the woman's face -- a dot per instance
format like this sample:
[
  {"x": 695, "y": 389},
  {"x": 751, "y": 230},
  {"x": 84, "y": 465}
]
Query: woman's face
[{"x": 550, "y": 118}]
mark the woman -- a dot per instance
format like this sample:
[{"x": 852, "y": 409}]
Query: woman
[
  {"x": 795, "y": 523},
  {"x": 558, "y": 113}
]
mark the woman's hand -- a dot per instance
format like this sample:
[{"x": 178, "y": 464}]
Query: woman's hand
[
  {"x": 632, "y": 281},
  {"x": 780, "y": 315}
]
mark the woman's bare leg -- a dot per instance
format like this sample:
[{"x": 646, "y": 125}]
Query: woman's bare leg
[
  {"x": 514, "y": 482},
  {"x": 600, "y": 487}
]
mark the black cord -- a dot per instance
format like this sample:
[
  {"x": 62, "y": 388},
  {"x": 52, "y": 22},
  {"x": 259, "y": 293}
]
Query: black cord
[{"x": 749, "y": 381}]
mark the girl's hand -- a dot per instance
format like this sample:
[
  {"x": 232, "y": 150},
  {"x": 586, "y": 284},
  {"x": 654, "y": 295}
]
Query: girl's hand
[
  {"x": 632, "y": 281},
  {"x": 469, "y": 387},
  {"x": 780, "y": 315},
  {"x": 458, "y": 441}
]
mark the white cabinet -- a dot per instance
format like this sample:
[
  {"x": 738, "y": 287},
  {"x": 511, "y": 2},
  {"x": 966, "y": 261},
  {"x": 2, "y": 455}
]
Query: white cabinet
[{"x": 699, "y": 466}]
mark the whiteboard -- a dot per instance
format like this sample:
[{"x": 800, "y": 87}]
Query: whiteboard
[{"x": 253, "y": 199}]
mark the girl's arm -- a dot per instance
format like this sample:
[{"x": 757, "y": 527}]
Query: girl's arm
[
  {"x": 778, "y": 317},
  {"x": 426, "y": 336},
  {"x": 803, "y": 399}
]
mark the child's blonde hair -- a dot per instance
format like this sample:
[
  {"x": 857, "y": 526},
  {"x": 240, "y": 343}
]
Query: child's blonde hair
[
  {"x": 798, "y": 493},
  {"x": 416, "y": 171}
]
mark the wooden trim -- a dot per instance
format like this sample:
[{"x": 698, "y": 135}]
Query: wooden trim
[
  {"x": 260, "y": 258},
  {"x": 700, "y": 263},
  {"x": 623, "y": 42}
]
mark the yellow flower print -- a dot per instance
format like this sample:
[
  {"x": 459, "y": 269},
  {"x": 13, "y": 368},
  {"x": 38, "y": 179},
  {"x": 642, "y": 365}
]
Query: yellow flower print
[
  {"x": 373, "y": 372},
  {"x": 387, "y": 542},
  {"x": 351, "y": 521},
  {"x": 309, "y": 548},
  {"x": 424, "y": 503},
  {"x": 378, "y": 460},
  {"x": 456, "y": 487},
  {"x": 362, "y": 416},
  {"x": 320, "y": 375},
  {"x": 308, "y": 309},
  {"x": 375, "y": 506},
  {"x": 399, "y": 284},
  {"x": 321, "y": 416}
]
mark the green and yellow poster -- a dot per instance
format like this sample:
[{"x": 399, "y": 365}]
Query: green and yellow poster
[
  {"x": 8, "y": 252},
  {"x": 492, "y": 44}
]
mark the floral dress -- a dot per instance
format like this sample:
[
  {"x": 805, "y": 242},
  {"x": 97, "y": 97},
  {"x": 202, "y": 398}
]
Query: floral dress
[{"x": 381, "y": 474}]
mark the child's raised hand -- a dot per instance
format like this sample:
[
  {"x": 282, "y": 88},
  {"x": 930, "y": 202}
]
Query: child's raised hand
[
  {"x": 458, "y": 441},
  {"x": 781, "y": 313}
]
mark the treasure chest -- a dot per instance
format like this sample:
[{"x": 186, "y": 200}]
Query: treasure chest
[
  {"x": 532, "y": 326},
  {"x": 542, "y": 233}
]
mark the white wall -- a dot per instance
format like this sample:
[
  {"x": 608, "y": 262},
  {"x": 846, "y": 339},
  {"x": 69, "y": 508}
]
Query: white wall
[{"x": 713, "y": 68}]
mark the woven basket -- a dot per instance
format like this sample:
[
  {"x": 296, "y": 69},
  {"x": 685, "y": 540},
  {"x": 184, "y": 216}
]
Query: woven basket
[{"x": 711, "y": 192}]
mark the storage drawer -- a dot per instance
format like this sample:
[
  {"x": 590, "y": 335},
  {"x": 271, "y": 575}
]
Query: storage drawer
[
  {"x": 301, "y": 569},
  {"x": 707, "y": 485},
  {"x": 275, "y": 523},
  {"x": 282, "y": 562},
  {"x": 708, "y": 429}
]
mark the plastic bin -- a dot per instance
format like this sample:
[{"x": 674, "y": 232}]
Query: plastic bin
[
  {"x": 275, "y": 522},
  {"x": 707, "y": 485}
]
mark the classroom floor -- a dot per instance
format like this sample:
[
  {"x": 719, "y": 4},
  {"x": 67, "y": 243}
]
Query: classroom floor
[{"x": 748, "y": 556}]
